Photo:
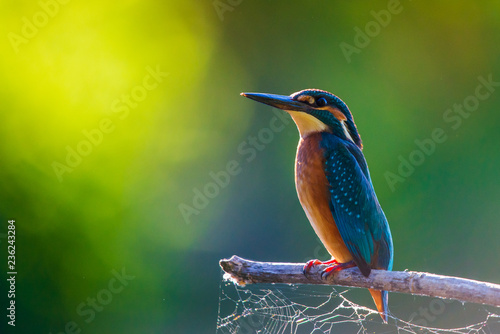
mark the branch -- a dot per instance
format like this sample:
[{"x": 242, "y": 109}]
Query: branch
[{"x": 243, "y": 271}]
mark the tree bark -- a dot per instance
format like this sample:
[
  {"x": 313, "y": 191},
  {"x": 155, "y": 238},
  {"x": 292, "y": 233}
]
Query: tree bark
[{"x": 243, "y": 271}]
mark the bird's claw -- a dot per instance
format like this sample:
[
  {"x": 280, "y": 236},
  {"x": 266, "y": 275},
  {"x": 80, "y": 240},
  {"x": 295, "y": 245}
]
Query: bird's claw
[
  {"x": 309, "y": 265},
  {"x": 336, "y": 267},
  {"x": 315, "y": 262}
]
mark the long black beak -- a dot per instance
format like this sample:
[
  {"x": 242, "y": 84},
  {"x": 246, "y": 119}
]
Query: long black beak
[{"x": 278, "y": 101}]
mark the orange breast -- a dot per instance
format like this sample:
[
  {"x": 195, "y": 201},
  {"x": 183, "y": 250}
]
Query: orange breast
[{"x": 312, "y": 189}]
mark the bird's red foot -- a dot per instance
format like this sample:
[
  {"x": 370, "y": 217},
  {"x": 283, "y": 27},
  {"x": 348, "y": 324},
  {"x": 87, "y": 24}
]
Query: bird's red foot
[
  {"x": 312, "y": 263},
  {"x": 336, "y": 267}
]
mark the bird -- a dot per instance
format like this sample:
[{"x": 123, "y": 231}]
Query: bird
[{"x": 334, "y": 186}]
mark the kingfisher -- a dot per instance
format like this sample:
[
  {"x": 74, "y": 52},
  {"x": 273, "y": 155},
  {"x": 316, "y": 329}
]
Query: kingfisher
[{"x": 334, "y": 186}]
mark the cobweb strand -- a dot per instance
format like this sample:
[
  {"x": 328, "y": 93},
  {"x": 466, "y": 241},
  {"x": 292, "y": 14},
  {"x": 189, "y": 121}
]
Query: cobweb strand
[{"x": 297, "y": 309}]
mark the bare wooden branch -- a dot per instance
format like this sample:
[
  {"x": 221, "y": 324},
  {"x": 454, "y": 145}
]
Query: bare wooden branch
[{"x": 243, "y": 271}]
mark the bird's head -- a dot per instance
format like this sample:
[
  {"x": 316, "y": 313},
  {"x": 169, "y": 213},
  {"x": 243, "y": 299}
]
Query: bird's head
[{"x": 314, "y": 110}]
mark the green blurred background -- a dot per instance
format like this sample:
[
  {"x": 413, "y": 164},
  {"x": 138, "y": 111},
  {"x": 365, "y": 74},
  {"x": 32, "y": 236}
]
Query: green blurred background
[{"x": 67, "y": 68}]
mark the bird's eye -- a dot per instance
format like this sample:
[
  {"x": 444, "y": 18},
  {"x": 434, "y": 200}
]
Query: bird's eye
[{"x": 321, "y": 102}]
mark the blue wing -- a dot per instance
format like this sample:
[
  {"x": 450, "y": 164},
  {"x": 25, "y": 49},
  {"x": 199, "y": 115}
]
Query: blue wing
[{"x": 354, "y": 205}]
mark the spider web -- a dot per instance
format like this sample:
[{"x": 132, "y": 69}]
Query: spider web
[{"x": 318, "y": 309}]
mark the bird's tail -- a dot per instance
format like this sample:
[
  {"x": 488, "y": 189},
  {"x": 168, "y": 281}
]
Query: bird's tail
[{"x": 381, "y": 299}]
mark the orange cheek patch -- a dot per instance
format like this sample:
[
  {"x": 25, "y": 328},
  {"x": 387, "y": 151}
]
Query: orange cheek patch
[{"x": 337, "y": 113}]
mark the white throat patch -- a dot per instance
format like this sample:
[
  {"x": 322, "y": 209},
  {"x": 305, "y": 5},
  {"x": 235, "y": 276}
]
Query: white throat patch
[
  {"x": 306, "y": 123},
  {"x": 347, "y": 134}
]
